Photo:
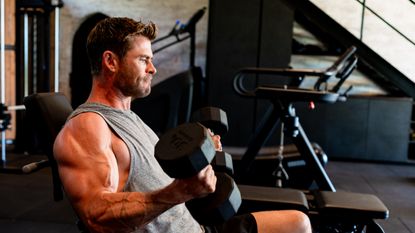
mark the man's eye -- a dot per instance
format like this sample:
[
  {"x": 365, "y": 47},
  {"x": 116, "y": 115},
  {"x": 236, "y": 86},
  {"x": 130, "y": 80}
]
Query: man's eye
[{"x": 144, "y": 60}]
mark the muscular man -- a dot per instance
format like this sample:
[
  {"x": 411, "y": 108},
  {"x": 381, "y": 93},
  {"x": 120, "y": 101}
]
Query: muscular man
[{"x": 105, "y": 153}]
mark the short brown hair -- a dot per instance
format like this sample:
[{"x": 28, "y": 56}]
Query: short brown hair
[{"x": 114, "y": 34}]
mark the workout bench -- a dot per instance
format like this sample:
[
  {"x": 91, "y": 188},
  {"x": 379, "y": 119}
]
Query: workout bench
[{"x": 49, "y": 111}]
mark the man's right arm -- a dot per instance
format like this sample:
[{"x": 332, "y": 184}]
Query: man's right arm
[{"x": 89, "y": 173}]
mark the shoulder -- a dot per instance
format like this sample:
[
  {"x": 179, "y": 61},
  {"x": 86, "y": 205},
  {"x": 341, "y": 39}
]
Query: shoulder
[
  {"x": 87, "y": 121},
  {"x": 84, "y": 131}
]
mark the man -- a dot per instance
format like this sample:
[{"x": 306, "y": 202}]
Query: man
[{"x": 105, "y": 153}]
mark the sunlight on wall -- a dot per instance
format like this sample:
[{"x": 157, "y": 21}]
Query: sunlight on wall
[{"x": 376, "y": 34}]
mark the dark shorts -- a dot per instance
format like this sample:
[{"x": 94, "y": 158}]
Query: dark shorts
[{"x": 238, "y": 224}]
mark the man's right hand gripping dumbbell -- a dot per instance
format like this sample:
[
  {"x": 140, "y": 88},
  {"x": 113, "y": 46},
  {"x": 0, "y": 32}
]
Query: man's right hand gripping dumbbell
[{"x": 185, "y": 151}]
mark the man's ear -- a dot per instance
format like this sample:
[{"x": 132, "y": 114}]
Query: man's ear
[{"x": 109, "y": 60}]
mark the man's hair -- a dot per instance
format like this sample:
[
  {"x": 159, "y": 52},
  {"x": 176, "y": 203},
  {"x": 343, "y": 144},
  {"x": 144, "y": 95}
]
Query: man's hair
[{"x": 115, "y": 34}]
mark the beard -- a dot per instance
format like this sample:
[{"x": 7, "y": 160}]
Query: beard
[{"x": 133, "y": 86}]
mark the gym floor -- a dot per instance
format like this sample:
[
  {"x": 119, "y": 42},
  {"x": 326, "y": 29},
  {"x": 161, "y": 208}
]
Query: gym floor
[{"x": 27, "y": 204}]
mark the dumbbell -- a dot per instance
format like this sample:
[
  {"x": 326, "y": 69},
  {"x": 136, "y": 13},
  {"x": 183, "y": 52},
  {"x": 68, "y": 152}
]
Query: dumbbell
[
  {"x": 216, "y": 120},
  {"x": 223, "y": 163},
  {"x": 212, "y": 118},
  {"x": 184, "y": 151}
]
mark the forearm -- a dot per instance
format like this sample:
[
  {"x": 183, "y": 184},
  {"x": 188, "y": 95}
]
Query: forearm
[{"x": 124, "y": 212}]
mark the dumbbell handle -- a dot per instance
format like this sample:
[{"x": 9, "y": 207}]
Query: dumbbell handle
[{"x": 223, "y": 163}]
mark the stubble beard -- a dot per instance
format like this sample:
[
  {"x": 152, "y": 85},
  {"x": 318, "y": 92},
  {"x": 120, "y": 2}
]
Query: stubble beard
[{"x": 140, "y": 88}]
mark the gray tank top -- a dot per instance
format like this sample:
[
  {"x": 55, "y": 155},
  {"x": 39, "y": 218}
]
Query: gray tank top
[{"x": 145, "y": 172}]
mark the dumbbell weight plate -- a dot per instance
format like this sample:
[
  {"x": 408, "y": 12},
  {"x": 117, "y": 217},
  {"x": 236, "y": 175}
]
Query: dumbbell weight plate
[
  {"x": 185, "y": 150},
  {"x": 212, "y": 118},
  {"x": 219, "y": 206}
]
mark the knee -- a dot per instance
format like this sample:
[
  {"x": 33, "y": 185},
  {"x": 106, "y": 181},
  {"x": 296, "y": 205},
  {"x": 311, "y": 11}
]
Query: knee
[
  {"x": 286, "y": 221},
  {"x": 302, "y": 221}
]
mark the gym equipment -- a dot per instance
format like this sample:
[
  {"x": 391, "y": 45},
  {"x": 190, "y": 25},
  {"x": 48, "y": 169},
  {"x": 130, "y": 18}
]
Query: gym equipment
[
  {"x": 212, "y": 118},
  {"x": 21, "y": 167},
  {"x": 31, "y": 43},
  {"x": 181, "y": 32},
  {"x": 330, "y": 211},
  {"x": 216, "y": 120},
  {"x": 283, "y": 110},
  {"x": 219, "y": 206},
  {"x": 342, "y": 212},
  {"x": 223, "y": 163},
  {"x": 49, "y": 111},
  {"x": 184, "y": 151},
  {"x": 5, "y": 117}
]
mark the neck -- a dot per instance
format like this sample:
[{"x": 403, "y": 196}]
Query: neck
[{"x": 103, "y": 92}]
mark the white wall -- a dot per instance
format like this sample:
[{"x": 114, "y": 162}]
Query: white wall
[
  {"x": 163, "y": 13},
  {"x": 376, "y": 34}
]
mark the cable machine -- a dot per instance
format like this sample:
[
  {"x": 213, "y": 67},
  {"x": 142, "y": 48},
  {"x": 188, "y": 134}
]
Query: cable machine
[{"x": 34, "y": 70}]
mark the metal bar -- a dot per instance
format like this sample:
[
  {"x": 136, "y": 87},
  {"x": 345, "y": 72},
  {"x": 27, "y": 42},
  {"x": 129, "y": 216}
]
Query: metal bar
[
  {"x": 262, "y": 134},
  {"x": 192, "y": 48},
  {"x": 2, "y": 77},
  {"x": 3, "y": 96},
  {"x": 386, "y": 22},
  {"x": 307, "y": 153},
  {"x": 34, "y": 54},
  {"x": 26, "y": 54},
  {"x": 16, "y": 108},
  {"x": 363, "y": 19},
  {"x": 258, "y": 61},
  {"x": 170, "y": 44},
  {"x": 56, "y": 84}
]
